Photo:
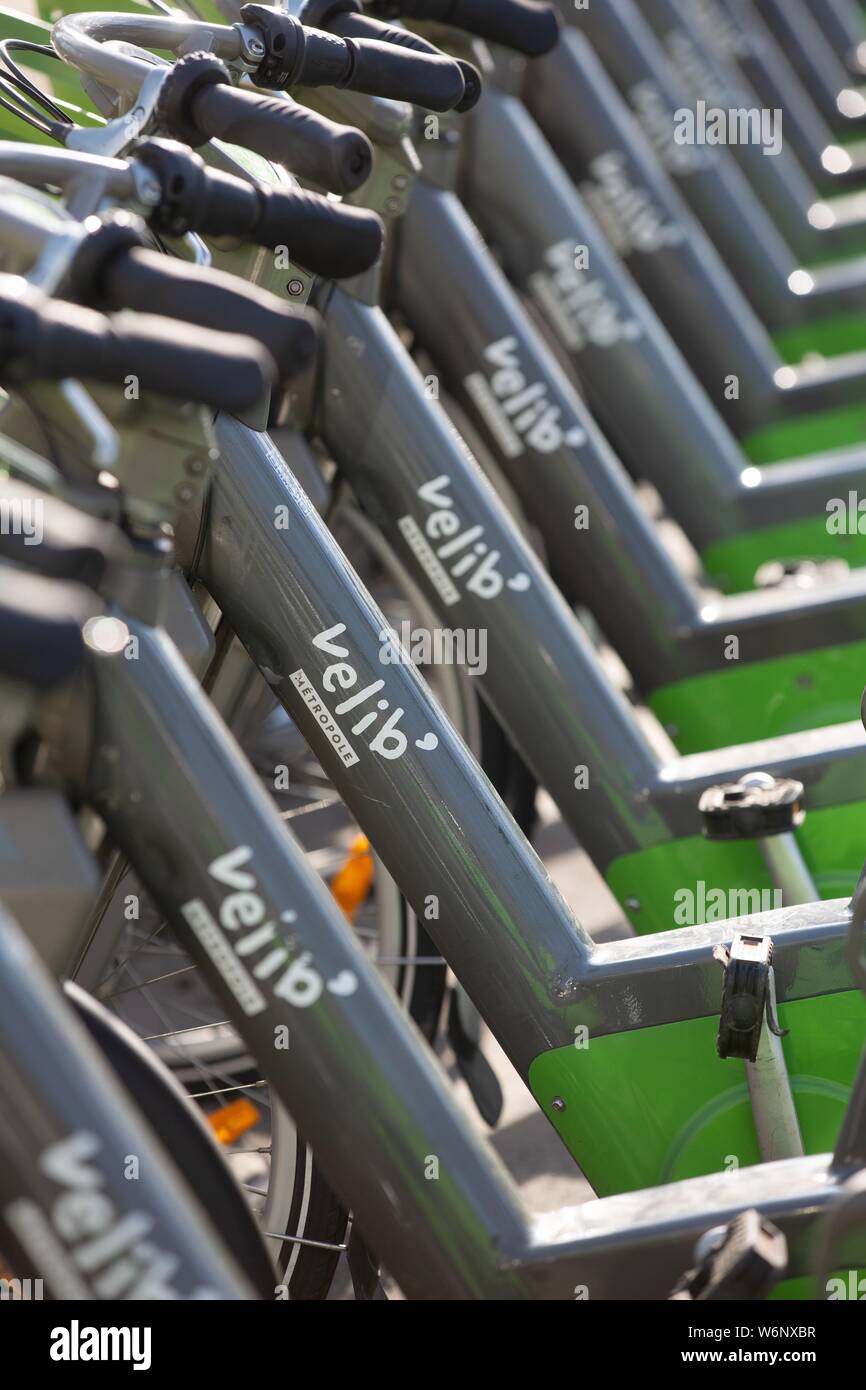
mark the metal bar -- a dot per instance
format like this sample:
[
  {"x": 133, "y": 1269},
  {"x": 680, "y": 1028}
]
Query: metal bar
[
  {"x": 788, "y": 869},
  {"x": 554, "y": 251},
  {"x": 421, "y": 799},
  {"x": 212, "y": 851},
  {"x": 414, "y": 475},
  {"x": 773, "y": 1109},
  {"x": 67, "y": 1116}
]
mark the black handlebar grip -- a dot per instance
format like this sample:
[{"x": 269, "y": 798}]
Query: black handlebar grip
[
  {"x": 328, "y": 238},
  {"x": 433, "y": 81},
  {"x": 152, "y": 283},
  {"x": 297, "y": 56},
  {"x": 523, "y": 25},
  {"x": 331, "y": 239},
  {"x": 52, "y": 340},
  {"x": 41, "y": 619},
  {"x": 193, "y": 197},
  {"x": 338, "y": 18},
  {"x": 334, "y": 156}
]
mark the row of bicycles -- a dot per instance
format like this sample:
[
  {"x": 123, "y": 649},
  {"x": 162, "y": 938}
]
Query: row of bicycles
[{"x": 408, "y": 407}]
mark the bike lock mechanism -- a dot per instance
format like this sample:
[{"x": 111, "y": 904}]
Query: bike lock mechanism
[
  {"x": 745, "y": 1260},
  {"x": 766, "y": 810},
  {"x": 748, "y": 998}
]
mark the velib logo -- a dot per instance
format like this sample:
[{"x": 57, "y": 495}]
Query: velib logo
[
  {"x": 452, "y": 552},
  {"x": 694, "y": 906},
  {"x": 96, "y": 1249},
  {"x": 368, "y": 707},
  {"x": 627, "y": 213},
  {"x": 712, "y": 125},
  {"x": 579, "y": 307},
  {"x": 77, "y": 1343},
  {"x": 727, "y": 39},
  {"x": 250, "y": 945},
  {"x": 519, "y": 413}
]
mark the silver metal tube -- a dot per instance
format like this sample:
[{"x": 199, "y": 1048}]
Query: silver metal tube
[
  {"x": 773, "y": 1109},
  {"x": 788, "y": 870},
  {"x": 36, "y": 165}
]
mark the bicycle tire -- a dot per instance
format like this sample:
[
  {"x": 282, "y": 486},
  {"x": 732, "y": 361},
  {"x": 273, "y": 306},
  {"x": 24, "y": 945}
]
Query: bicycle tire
[{"x": 184, "y": 1132}]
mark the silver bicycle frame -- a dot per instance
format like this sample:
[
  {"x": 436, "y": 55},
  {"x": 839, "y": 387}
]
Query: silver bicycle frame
[
  {"x": 209, "y": 846},
  {"x": 528, "y": 208},
  {"x": 597, "y": 719},
  {"x": 669, "y": 63},
  {"x": 591, "y": 128},
  {"x": 464, "y": 1234},
  {"x": 780, "y": 182},
  {"x": 70, "y": 1135},
  {"x": 820, "y": 69},
  {"x": 558, "y": 1258}
]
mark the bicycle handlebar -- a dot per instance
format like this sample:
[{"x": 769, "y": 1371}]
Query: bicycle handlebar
[
  {"x": 528, "y": 27},
  {"x": 51, "y": 340},
  {"x": 198, "y": 104},
  {"x": 297, "y": 56},
  {"x": 344, "y": 17},
  {"x": 111, "y": 270},
  {"x": 331, "y": 239}
]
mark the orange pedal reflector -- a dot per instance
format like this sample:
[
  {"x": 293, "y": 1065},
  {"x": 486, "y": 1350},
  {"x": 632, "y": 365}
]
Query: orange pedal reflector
[
  {"x": 231, "y": 1121},
  {"x": 352, "y": 882}
]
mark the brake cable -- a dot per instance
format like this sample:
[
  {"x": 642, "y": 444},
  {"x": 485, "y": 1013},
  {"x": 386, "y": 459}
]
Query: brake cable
[{"x": 46, "y": 116}]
